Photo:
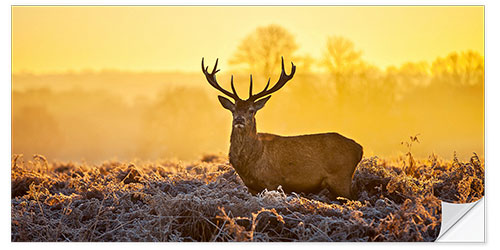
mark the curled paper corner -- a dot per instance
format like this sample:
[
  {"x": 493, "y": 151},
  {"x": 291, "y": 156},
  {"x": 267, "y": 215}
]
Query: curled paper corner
[{"x": 462, "y": 222}]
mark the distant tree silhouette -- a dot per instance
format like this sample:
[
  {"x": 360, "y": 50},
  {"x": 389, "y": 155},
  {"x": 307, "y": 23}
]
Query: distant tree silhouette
[
  {"x": 260, "y": 52},
  {"x": 343, "y": 62},
  {"x": 464, "y": 68},
  {"x": 341, "y": 56},
  {"x": 405, "y": 78}
]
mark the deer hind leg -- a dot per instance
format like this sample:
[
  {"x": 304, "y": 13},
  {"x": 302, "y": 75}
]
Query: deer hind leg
[
  {"x": 252, "y": 191},
  {"x": 336, "y": 189}
]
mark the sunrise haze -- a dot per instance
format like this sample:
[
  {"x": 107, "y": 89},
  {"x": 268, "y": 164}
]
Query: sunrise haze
[{"x": 58, "y": 39}]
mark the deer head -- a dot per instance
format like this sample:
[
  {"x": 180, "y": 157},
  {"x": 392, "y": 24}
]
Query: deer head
[
  {"x": 244, "y": 110},
  {"x": 305, "y": 163}
]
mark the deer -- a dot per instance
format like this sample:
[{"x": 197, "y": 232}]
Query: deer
[{"x": 301, "y": 164}]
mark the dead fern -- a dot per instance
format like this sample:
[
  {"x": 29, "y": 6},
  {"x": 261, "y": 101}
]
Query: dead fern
[{"x": 207, "y": 201}]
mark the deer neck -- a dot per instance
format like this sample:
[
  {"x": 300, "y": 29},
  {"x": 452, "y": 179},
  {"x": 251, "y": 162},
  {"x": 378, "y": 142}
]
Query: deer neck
[{"x": 245, "y": 150}]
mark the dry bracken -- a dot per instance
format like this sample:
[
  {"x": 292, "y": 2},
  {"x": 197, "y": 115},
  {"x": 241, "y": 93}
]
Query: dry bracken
[{"x": 207, "y": 201}]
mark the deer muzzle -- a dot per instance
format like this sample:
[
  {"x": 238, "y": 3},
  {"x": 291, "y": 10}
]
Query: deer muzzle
[{"x": 239, "y": 122}]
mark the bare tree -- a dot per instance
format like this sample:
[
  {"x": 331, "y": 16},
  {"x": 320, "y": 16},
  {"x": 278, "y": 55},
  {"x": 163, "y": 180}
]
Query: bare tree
[
  {"x": 342, "y": 60},
  {"x": 464, "y": 68},
  {"x": 260, "y": 52}
]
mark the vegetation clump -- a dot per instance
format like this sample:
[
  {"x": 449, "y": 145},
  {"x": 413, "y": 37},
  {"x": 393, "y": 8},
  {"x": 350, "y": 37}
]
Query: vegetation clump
[{"x": 207, "y": 201}]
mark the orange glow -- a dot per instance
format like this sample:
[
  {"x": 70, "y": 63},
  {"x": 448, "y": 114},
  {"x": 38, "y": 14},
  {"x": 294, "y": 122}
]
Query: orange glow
[
  {"x": 101, "y": 82},
  {"x": 56, "y": 39}
]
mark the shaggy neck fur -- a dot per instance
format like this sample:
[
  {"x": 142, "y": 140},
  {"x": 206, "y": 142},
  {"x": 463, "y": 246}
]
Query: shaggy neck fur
[{"x": 245, "y": 149}]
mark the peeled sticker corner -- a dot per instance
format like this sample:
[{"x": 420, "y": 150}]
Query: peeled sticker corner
[{"x": 462, "y": 222}]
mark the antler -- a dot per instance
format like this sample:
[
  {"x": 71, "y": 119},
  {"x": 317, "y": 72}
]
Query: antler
[
  {"x": 212, "y": 81},
  {"x": 284, "y": 78}
]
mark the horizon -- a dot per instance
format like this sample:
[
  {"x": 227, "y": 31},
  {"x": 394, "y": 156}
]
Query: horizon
[{"x": 104, "y": 55}]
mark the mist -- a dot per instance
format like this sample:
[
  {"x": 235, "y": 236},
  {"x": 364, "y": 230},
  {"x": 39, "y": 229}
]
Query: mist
[{"x": 97, "y": 116}]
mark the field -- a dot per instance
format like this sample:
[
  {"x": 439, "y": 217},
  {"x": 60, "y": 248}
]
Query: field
[
  {"x": 116, "y": 131},
  {"x": 398, "y": 200}
]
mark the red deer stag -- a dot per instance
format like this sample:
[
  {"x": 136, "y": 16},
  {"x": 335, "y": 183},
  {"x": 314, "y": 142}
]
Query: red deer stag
[{"x": 305, "y": 163}]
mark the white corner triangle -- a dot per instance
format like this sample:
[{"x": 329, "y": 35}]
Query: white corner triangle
[{"x": 462, "y": 222}]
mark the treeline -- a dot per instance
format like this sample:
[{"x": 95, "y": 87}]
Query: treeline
[{"x": 126, "y": 115}]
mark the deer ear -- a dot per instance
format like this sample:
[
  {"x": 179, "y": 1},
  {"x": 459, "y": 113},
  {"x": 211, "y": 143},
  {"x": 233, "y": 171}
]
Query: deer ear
[
  {"x": 260, "y": 103},
  {"x": 226, "y": 103}
]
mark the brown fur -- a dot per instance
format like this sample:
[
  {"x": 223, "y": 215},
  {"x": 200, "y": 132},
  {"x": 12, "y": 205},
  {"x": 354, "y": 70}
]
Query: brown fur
[{"x": 306, "y": 163}]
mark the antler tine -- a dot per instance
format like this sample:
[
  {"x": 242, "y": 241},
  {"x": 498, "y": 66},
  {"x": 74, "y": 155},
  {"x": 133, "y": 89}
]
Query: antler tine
[
  {"x": 267, "y": 85},
  {"x": 213, "y": 81},
  {"x": 284, "y": 78},
  {"x": 234, "y": 90},
  {"x": 215, "y": 67},
  {"x": 251, "y": 85}
]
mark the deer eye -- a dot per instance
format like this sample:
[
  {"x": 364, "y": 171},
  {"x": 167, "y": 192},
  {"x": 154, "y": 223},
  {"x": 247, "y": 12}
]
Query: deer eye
[{"x": 251, "y": 110}]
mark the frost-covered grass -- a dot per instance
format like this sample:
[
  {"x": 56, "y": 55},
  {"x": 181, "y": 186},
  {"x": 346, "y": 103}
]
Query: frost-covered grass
[{"x": 398, "y": 200}]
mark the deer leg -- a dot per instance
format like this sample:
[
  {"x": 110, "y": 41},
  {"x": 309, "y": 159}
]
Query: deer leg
[
  {"x": 338, "y": 190},
  {"x": 252, "y": 191}
]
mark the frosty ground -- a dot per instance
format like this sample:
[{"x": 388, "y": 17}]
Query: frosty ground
[{"x": 398, "y": 200}]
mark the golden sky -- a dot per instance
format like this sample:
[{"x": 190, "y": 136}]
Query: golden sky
[{"x": 57, "y": 39}]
